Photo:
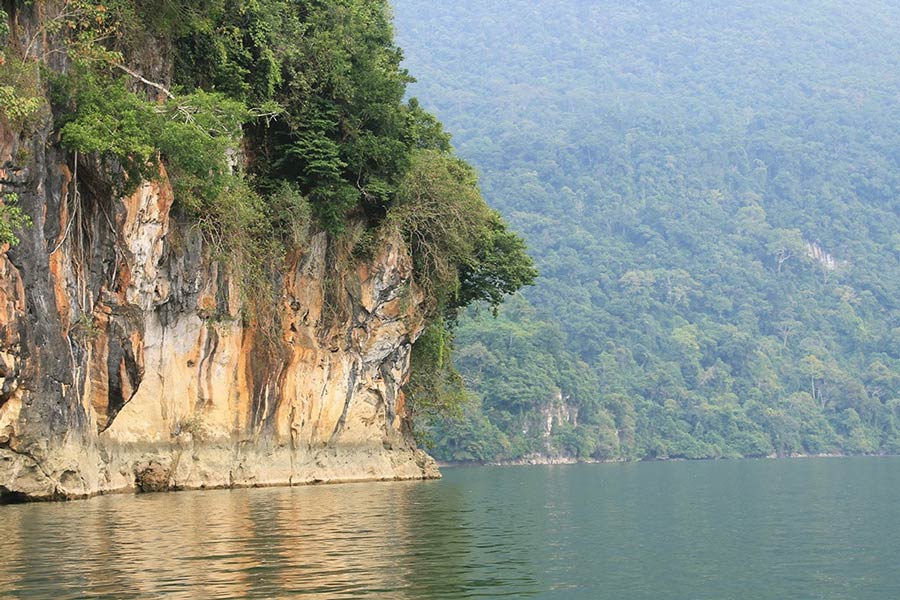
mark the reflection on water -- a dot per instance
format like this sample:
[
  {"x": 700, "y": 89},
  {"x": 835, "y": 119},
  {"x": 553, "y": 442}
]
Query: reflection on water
[
  {"x": 406, "y": 539},
  {"x": 746, "y": 529}
]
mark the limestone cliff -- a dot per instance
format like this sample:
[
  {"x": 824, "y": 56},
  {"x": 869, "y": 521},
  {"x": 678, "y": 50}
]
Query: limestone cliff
[
  {"x": 126, "y": 363},
  {"x": 242, "y": 235}
]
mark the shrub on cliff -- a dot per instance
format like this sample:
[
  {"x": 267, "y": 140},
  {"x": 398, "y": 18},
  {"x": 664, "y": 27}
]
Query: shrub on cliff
[{"x": 460, "y": 247}]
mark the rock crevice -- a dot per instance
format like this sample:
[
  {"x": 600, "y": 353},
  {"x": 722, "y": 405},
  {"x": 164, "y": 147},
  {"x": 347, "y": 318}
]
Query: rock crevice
[{"x": 125, "y": 363}]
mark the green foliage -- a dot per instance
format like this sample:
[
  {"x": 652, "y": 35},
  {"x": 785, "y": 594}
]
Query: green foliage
[
  {"x": 464, "y": 435},
  {"x": 85, "y": 329},
  {"x": 435, "y": 387},
  {"x": 345, "y": 135},
  {"x": 198, "y": 138},
  {"x": 21, "y": 100},
  {"x": 440, "y": 213},
  {"x": 500, "y": 267},
  {"x": 105, "y": 118},
  {"x": 322, "y": 82},
  {"x": 229, "y": 46},
  {"x": 290, "y": 214},
  {"x": 21, "y": 96},
  {"x": 461, "y": 249},
  {"x": 193, "y": 134},
  {"x": 682, "y": 193},
  {"x": 12, "y": 219}
]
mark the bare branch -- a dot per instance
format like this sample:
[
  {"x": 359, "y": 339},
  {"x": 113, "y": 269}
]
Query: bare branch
[{"x": 146, "y": 81}]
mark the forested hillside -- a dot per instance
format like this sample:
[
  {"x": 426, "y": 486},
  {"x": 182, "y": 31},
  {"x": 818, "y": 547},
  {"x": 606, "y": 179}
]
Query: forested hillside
[{"x": 711, "y": 195}]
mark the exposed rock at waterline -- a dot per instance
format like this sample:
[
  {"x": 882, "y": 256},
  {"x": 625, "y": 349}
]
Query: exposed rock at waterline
[{"x": 125, "y": 363}]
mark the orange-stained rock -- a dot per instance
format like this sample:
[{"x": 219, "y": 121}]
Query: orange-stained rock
[{"x": 143, "y": 372}]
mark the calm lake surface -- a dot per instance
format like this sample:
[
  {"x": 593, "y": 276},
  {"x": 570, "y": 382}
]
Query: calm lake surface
[{"x": 815, "y": 528}]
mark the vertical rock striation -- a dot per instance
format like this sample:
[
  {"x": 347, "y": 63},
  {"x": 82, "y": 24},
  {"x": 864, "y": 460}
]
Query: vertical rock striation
[{"x": 125, "y": 362}]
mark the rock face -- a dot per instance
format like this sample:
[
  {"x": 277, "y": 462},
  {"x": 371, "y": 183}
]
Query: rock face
[{"x": 125, "y": 362}]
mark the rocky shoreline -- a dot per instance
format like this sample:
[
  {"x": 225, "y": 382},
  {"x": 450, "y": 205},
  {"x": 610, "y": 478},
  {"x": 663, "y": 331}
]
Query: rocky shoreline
[{"x": 153, "y": 470}]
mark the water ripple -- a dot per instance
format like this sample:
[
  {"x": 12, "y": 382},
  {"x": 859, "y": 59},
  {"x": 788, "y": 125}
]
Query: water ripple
[{"x": 748, "y": 529}]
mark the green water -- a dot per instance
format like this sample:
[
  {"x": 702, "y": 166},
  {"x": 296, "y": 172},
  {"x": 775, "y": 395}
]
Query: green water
[{"x": 818, "y": 528}]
